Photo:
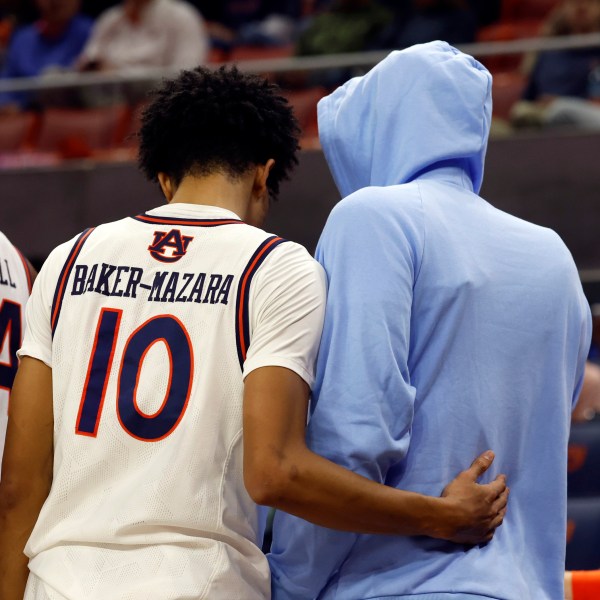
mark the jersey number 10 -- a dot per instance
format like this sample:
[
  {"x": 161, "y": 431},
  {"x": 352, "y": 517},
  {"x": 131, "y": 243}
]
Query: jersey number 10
[{"x": 146, "y": 427}]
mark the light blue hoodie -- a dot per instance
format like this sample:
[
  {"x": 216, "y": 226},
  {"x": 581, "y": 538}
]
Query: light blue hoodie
[{"x": 451, "y": 328}]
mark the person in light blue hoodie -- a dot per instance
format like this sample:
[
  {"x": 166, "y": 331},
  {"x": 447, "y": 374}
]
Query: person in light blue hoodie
[{"x": 450, "y": 327}]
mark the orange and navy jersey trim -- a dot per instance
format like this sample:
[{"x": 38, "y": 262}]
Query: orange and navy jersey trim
[
  {"x": 242, "y": 318},
  {"x": 158, "y": 220},
  {"x": 61, "y": 286}
]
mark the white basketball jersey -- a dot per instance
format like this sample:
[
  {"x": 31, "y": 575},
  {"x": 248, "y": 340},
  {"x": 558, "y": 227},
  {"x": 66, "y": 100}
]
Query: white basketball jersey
[
  {"x": 15, "y": 286},
  {"x": 149, "y": 325}
]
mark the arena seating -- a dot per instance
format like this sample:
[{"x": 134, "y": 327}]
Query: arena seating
[
  {"x": 584, "y": 460},
  {"x": 507, "y": 88},
  {"x": 583, "y": 508},
  {"x": 17, "y": 131},
  {"x": 583, "y": 534},
  {"x": 305, "y": 107},
  {"x": 95, "y": 132},
  {"x": 80, "y": 132},
  {"x": 240, "y": 53},
  {"x": 520, "y": 10}
]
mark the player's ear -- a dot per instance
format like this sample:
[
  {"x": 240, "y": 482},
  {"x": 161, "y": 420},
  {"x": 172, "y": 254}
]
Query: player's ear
[
  {"x": 258, "y": 206},
  {"x": 261, "y": 177},
  {"x": 166, "y": 185}
]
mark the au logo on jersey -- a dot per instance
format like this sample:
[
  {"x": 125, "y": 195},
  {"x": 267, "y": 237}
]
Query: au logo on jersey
[{"x": 169, "y": 246}]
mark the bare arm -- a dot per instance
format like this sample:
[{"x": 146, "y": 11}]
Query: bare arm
[
  {"x": 26, "y": 471},
  {"x": 280, "y": 471}
]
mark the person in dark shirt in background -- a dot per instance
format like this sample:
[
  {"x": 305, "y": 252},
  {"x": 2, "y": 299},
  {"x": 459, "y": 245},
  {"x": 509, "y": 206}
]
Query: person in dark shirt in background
[
  {"x": 563, "y": 83},
  {"x": 346, "y": 26},
  {"x": 250, "y": 22},
  {"x": 422, "y": 21}
]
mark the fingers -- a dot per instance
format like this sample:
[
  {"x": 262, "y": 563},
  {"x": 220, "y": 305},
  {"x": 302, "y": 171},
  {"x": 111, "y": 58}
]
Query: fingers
[
  {"x": 501, "y": 501},
  {"x": 497, "y": 487},
  {"x": 479, "y": 466},
  {"x": 488, "y": 537},
  {"x": 498, "y": 520}
]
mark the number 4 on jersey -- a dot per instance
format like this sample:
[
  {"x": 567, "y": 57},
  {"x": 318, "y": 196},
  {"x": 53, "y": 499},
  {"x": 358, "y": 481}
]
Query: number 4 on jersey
[
  {"x": 166, "y": 329},
  {"x": 10, "y": 330}
]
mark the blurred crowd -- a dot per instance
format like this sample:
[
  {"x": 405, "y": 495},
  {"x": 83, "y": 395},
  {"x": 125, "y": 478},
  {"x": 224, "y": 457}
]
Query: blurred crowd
[{"x": 45, "y": 37}]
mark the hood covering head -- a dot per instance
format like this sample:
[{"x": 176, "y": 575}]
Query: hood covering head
[{"x": 426, "y": 105}]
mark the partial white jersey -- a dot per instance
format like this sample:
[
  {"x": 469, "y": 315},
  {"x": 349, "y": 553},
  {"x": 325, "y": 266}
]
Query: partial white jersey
[
  {"x": 15, "y": 286},
  {"x": 149, "y": 325}
]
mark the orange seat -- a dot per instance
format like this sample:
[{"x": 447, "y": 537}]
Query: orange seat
[
  {"x": 81, "y": 131},
  {"x": 130, "y": 139},
  {"x": 515, "y": 10},
  {"x": 16, "y": 131},
  {"x": 216, "y": 55},
  {"x": 506, "y": 31},
  {"x": 241, "y": 53},
  {"x": 304, "y": 103},
  {"x": 507, "y": 89},
  {"x": 509, "y": 30}
]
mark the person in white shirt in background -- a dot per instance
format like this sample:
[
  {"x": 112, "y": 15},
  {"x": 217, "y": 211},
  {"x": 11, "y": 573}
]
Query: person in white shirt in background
[{"x": 145, "y": 34}]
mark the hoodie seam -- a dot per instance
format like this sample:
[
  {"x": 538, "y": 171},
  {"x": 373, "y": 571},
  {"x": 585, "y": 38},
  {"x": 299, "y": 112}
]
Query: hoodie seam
[
  {"x": 423, "y": 234},
  {"x": 484, "y": 131},
  {"x": 330, "y": 149}
]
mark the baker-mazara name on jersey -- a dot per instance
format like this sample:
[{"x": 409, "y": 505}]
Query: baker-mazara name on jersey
[{"x": 163, "y": 286}]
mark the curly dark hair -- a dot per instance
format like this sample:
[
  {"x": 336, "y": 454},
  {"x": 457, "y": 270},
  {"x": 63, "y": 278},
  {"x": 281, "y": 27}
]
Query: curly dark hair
[{"x": 206, "y": 121}]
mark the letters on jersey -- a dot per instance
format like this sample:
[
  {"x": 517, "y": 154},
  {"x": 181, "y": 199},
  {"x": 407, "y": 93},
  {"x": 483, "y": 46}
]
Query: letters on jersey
[
  {"x": 163, "y": 286},
  {"x": 15, "y": 286},
  {"x": 6, "y": 278},
  {"x": 149, "y": 387}
]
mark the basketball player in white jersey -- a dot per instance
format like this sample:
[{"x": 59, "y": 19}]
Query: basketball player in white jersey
[
  {"x": 16, "y": 277},
  {"x": 152, "y": 343}
]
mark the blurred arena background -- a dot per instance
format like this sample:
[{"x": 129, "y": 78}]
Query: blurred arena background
[{"x": 75, "y": 78}]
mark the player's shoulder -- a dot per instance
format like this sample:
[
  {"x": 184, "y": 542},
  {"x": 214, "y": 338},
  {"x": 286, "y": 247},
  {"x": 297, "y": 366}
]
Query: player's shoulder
[
  {"x": 96, "y": 234},
  {"x": 64, "y": 249},
  {"x": 539, "y": 235},
  {"x": 7, "y": 247},
  {"x": 285, "y": 250},
  {"x": 117, "y": 231},
  {"x": 284, "y": 256},
  {"x": 5, "y": 243},
  {"x": 372, "y": 210},
  {"x": 377, "y": 203}
]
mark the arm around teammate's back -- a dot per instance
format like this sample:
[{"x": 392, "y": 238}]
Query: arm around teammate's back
[
  {"x": 280, "y": 471},
  {"x": 279, "y": 468}
]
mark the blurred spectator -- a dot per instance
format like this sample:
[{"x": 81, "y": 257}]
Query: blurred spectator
[
  {"x": 251, "y": 22},
  {"x": 486, "y": 11},
  {"x": 94, "y": 8},
  {"x": 562, "y": 82},
  {"x": 23, "y": 12},
  {"x": 347, "y": 26},
  {"x": 588, "y": 406},
  {"x": 146, "y": 33},
  {"x": 449, "y": 20},
  {"x": 53, "y": 42}
]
